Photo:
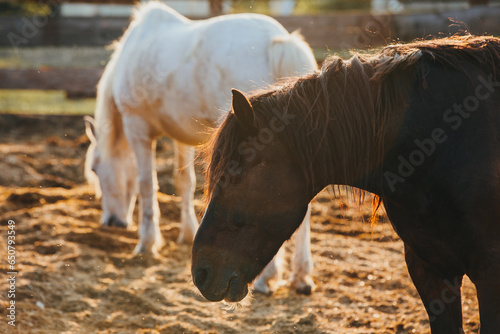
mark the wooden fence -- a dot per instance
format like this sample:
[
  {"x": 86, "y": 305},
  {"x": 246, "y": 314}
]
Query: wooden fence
[
  {"x": 77, "y": 82},
  {"x": 329, "y": 30},
  {"x": 335, "y": 32}
]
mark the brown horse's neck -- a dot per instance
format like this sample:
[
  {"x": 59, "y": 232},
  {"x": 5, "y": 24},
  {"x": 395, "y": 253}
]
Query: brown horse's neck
[{"x": 339, "y": 122}]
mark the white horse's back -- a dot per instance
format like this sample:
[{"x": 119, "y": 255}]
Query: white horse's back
[
  {"x": 171, "y": 68},
  {"x": 155, "y": 12}
]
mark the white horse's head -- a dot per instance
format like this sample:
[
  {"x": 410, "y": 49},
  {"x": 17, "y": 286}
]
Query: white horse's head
[{"x": 114, "y": 176}]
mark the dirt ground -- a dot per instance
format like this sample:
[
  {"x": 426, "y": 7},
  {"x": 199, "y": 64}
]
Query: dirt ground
[{"x": 75, "y": 276}]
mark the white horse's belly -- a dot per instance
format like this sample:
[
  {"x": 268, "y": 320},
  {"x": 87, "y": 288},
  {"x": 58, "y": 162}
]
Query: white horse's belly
[
  {"x": 188, "y": 130},
  {"x": 186, "y": 102},
  {"x": 184, "y": 125}
]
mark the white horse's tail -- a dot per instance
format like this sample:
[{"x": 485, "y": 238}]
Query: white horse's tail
[{"x": 291, "y": 56}]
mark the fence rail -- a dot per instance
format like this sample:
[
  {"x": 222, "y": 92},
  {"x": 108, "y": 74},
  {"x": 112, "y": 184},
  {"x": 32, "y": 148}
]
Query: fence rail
[
  {"x": 335, "y": 32},
  {"x": 328, "y": 30},
  {"x": 77, "y": 82}
]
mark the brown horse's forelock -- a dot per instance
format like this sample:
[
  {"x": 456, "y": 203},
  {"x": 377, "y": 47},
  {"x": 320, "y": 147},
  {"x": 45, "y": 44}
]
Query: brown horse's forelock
[
  {"x": 218, "y": 151},
  {"x": 341, "y": 112}
]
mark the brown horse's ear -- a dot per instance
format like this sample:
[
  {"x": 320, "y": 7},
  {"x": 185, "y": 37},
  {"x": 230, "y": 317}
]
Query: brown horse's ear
[{"x": 243, "y": 110}]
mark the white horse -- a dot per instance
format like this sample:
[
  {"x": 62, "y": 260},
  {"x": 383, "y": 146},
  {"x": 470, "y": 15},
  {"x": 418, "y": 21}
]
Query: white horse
[{"x": 146, "y": 91}]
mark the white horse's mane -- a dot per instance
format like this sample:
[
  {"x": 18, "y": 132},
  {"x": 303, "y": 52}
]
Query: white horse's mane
[{"x": 153, "y": 10}]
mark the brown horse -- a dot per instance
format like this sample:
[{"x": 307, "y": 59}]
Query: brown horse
[{"x": 417, "y": 124}]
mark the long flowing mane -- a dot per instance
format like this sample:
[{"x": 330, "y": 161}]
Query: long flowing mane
[{"x": 351, "y": 101}]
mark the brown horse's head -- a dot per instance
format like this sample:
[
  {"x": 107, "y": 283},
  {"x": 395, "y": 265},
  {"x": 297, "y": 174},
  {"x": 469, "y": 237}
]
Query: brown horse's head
[{"x": 258, "y": 198}]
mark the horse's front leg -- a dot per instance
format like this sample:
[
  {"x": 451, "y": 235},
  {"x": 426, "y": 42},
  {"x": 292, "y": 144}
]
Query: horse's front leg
[
  {"x": 302, "y": 258},
  {"x": 488, "y": 294},
  {"x": 441, "y": 295},
  {"x": 144, "y": 147},
  {"x": 185, "y": 183}
]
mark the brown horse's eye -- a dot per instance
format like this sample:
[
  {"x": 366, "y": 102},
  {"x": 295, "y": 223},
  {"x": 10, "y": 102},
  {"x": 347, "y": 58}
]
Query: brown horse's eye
[
  {"x": 238, "y": 220},
  {"x": 235, "y": 179}
]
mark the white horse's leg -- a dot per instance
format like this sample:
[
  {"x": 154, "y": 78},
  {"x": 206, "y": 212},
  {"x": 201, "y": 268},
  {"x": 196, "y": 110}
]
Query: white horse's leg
[
  {"x": 144, "y": 147},
  {"x": 302, "y": 263},
  {"x": 273, "y": 270},
  {"x": 185, "y": 183},
  {"x": 149, "y": 228}
]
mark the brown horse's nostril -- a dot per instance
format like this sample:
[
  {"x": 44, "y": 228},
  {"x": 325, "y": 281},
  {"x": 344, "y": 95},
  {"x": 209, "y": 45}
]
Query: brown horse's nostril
[
  {"x": 233, "y": 277},
  {"x": 200, "y": 277}
]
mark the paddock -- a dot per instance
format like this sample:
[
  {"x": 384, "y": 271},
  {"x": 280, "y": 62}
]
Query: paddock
[{"x": 77, "y": 276}]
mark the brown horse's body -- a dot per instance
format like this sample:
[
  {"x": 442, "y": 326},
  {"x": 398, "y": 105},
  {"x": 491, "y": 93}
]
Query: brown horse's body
[{"x": 418, "y": 125}]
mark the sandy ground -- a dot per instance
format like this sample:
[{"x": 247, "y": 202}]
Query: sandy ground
[{"x": 75, "y": 276}]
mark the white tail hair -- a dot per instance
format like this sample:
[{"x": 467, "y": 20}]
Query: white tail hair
[{"x": 291, "y": 56}]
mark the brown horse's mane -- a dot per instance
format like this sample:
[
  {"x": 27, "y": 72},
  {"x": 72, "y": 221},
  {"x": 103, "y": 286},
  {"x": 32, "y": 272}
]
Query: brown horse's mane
[{"x": 352, "y": 101}]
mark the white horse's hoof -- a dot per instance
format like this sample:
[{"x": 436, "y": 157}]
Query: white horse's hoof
[
  {"x": 261, "y": 286},
  {"x": 115, "y": 221},
  {"x": 304, "y": 286},
  {"x": 145, "y": 250},
  {"x": 150, "y": 247}
]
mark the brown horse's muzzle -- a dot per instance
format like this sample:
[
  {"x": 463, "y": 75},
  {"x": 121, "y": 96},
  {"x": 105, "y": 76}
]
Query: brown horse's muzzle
[{"x": 217, "y": 281}]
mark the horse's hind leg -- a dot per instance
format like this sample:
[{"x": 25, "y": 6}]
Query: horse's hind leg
[
  {"x": 185, "y": 183},
  {"x": 441, "y": 295},
  {"x": 302, "y": 258}
]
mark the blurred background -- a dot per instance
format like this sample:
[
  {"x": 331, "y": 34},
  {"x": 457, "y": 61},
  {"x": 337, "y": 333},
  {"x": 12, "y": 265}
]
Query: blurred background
[{"x": 52, "y": 53}]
